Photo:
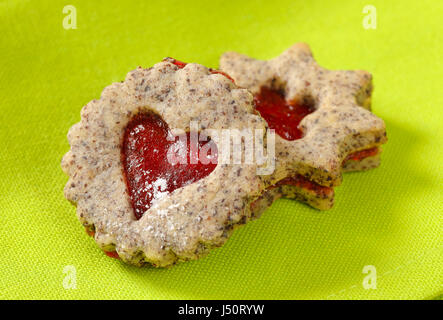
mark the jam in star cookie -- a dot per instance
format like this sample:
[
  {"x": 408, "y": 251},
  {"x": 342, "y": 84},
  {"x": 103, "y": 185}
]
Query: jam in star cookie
[{"x": 322, "y": 119}]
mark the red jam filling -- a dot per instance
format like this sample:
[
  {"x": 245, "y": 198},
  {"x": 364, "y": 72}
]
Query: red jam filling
[
  {"x": 360, "y": 155},
  {"x": 284, "y": 117},
  {"x": 178, "y": 63},
  {"x": 90, "y": 232},
  {"x": 181, "y": 65},
  {"x": 149, "y": 173},
  {"x": 112, "y": 254},
  {"x": 302, "y": 182},
  {"x": 281, "y": 115}
]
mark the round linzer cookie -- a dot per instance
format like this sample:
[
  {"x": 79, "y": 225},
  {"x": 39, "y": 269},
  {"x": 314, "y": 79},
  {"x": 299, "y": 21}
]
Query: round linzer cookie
[
  {"x": 322, "y": 119},
  {"x": 133, "y": 191}
]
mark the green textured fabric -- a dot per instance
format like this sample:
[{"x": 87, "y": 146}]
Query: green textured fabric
[{"x": 389, "y": 218}]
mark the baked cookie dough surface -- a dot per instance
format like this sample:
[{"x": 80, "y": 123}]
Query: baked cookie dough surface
[
  {"x": 191, "y": 220},
  {"x": 297, "y": 72},
  {"x": 340, "y": 124}
]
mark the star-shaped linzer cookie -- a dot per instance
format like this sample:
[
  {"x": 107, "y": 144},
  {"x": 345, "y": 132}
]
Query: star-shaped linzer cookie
[
  {"x": 322, "y": 119},
  {"x": 303, "y": 80}
]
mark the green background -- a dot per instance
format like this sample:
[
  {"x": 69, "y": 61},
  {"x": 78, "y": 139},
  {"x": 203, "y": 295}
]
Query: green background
[{"x": 390, "y": 217}]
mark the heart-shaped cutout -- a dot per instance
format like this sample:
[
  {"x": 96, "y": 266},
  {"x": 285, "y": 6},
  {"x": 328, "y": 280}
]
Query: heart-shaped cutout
[
  {"x": 149, "y": 172},
  {"x": 281, "y": 115}
]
